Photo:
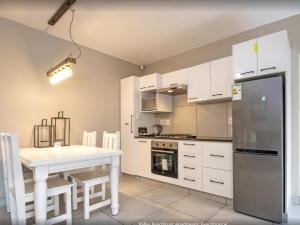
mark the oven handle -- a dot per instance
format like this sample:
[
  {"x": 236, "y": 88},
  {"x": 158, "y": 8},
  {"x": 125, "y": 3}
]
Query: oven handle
[{"x": 161, "y": 151}]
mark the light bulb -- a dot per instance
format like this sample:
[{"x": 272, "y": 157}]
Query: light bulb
[{"x": 61, "y": 75}]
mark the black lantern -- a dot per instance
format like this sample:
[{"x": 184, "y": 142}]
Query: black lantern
[
  {"x": 42, "y": 135},
  {"x": 60, "y": 129}
]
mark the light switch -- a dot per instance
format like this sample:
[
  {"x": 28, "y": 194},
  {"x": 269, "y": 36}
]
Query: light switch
[{"x": 229, "y": 121}]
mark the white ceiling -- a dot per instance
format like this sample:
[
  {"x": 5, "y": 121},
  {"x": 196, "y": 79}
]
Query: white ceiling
[{"x": 143, "y": 32}]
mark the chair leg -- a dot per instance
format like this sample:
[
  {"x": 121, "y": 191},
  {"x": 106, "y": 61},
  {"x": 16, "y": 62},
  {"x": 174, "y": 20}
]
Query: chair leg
[
  {"x": 13, "y": 210},
  {"x": 103, "y": 191},
  {"x": 86, "y": 201},
  {"x": 68, "y": 206},
  {"x": 56, "y": 205},
  {"x": 74, "y": 196}
]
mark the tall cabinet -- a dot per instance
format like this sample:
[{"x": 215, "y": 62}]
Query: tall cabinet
[{"x": 131, "y": 119}]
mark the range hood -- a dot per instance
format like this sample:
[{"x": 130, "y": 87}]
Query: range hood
[{"x": 174, "y": 90}]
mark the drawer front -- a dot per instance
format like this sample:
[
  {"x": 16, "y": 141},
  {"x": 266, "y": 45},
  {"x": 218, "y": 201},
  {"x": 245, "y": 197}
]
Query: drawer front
[
  {"x": 190, "y": 170},
  {"x": 190, "y": 147},
  {"x": 191, "y": 182},
  {"x": 190, "y": 159},
  {"x": 217, "y": 155},
  {"x": 217, "y": 182}
]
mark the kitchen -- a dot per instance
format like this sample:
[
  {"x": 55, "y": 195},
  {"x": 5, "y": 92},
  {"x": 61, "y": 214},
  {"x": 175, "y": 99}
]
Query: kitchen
[{"x": 198, "y": 125}]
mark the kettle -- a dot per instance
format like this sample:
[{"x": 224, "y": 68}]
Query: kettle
[{"x": 157, "y": 129}]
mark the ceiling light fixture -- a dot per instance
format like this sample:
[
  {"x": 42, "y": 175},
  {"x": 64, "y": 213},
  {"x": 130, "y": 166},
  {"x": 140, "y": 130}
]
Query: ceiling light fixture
[{"x": 63, "y": 70}]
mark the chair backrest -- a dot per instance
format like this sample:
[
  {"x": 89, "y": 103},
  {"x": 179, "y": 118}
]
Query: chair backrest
[
  {"x": 111, "y": 140},
  {"x": 14, "y": 172},
  {"x": 89, "y": 138}
]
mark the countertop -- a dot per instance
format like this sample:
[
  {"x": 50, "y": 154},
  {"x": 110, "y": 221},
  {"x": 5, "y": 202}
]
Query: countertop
[{"x": 222, "y": 139}]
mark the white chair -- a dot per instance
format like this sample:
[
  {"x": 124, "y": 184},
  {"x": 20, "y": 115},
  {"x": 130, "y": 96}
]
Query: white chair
[
  {"x": 21, "y": 192},
  {"x": 89, "y": 138},
  {"x": 88, "y": 180}
]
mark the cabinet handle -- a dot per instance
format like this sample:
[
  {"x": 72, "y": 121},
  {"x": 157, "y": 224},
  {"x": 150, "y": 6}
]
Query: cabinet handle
[
  {"x": 247, "y": 72},
  {"x": 187, "y": 167},
  {"x": 189, "y": 179},
  {"x": 214, "y": 155},
  {"x": 190, "y": 156},
  {"x": 193, "y": 98},
  {"x": 126, "y": 124},
  {"x": 216, "y": 182},
  {"x": 217, "y": 95},
  {"x": 189, "y": 144},
  {"x": 143, "y": 141},
  {"x": 151, "y": 86},
  {"x": 175, "y": 84},
  {"x": 269, "y": 68},
  {"x": 131, "y": 116}
]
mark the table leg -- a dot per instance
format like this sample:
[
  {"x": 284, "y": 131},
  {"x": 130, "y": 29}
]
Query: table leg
[
  {"x": 40, "y": 195},
  {"x": 114, "y": 183}
]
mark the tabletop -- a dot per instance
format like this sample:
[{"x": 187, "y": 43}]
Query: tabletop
[{"x": 52, "y": 155}]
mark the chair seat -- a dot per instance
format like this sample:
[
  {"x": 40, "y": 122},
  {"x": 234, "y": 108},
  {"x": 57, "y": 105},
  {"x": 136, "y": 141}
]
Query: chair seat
[{"x": 92, "y": 175}]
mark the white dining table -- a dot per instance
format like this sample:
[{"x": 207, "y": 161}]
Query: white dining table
[{"x": 43, "y": 161}]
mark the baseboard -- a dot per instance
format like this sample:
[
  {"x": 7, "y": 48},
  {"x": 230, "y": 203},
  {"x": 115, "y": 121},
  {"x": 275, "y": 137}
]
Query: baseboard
[
  {"x": 296, "y": 200},
  {"x": 2, "y": 202}
]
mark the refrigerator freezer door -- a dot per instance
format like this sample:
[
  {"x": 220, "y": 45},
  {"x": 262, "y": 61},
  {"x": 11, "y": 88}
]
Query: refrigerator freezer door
[
  {"x": 258, "y": 186},
  {"x": 258, "y": 116}
]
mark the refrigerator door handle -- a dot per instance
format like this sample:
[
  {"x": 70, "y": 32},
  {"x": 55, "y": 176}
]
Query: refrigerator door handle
[{"x": 257, "y": 151}]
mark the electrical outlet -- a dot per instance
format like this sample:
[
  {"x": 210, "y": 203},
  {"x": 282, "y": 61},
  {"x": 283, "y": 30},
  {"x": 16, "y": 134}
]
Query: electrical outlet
[
  {"x": 167, "y": 122},
  {"x": 162, "y": 122}
]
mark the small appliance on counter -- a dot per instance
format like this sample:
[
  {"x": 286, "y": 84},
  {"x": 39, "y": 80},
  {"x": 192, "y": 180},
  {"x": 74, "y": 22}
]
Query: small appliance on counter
[
  {"x": 142, "y": 131},
  {"x": 157, "y": 129}
]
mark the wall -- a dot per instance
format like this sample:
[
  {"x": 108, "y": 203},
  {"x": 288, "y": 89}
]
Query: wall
[
  {"x": 90, "y": 98},
  {"x": 223, "y": 48},
  {"x": 202, "y": 120}
]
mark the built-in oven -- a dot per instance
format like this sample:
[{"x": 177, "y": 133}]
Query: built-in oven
[{"x": 164, "y": 158}]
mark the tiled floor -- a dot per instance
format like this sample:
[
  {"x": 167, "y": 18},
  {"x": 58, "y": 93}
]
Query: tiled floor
[{"x": 149, "y": 201}]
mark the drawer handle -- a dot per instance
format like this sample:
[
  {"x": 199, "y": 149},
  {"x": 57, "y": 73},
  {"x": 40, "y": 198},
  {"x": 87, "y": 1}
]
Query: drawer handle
[
  {"x": 216, "y": 182},
  {"x": 247, "y": 72},
  {"x": 189, "y": 144},
  {"x": 143, "y": 87},
  {"x": 187, "y": 167},
  {"x": 151, "y": 86},
  {"x": 189, "y": 179},
  {"x": 217, "y": 95},
  {"x": 143, "y": 141},
  {"x": 190, "y": 156},
  {"x": 193, "y": 98},
  {"x": 175, "y": 84},
  {"x": 214, "y": 155},
  {"x": 269, "y": 68}
]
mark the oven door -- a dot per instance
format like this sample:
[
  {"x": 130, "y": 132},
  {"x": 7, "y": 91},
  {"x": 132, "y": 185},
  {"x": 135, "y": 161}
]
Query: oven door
[{"x": 164, "y": 162}]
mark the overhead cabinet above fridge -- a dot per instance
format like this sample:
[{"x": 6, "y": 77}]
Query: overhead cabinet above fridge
[{"x": 264, "y": 55}]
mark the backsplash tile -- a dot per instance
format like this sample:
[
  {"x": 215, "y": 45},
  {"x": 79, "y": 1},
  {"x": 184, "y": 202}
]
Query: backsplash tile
[{"x": 206, "y": 120}]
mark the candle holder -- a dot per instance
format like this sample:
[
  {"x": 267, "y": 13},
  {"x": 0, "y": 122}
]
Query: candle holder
[
  {"x": 60, "y": 129},
  {"x": 42, "y": 135}
]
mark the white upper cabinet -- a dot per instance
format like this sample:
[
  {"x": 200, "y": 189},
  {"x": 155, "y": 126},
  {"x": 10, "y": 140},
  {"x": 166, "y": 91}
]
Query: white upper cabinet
[
  {"x": 245, "y": 59},
  {"x": 272, "y": 49},
  {"x": 221, "y": 78},
  {"x": 199, "y": 83},
  {"x": 174, "y": 78},
  {"x": 150, "y": 82}
]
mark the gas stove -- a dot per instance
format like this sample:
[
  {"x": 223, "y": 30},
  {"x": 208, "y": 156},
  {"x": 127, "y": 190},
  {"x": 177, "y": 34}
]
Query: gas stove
[{"x": 176, "y": 136}]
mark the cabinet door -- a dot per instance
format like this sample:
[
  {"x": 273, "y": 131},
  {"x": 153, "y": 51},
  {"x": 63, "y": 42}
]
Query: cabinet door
[
  {"x": 127, "y": 124},
  {"x": 150, "y": 82},
  {"x": 174, "y": 78},
  {"x": 143, "y": 157},
  {"x": 199, "y": 83},
  {"x": 272, "y": 53},
  {"x": 244, "y": 59},
  {"x": 221, "y": 78}
]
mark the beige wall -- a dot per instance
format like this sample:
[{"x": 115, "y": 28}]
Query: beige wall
[
  {"x": 223, "y": 48},
  {"x": 90, "y": 98}
]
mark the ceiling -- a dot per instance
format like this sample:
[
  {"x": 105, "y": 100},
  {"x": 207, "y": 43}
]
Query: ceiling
[{"x": 143, "y": 32}]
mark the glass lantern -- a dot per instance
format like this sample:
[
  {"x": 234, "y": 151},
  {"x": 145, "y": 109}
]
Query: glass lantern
[
  {"x": 60, "y": 129},
  {"x": 42, "y": 135}
]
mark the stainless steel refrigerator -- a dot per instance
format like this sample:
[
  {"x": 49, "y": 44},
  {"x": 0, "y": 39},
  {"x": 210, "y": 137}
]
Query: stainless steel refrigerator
[{"x": 258, "y": 148}]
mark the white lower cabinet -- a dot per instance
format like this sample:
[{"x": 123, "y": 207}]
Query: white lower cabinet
[
  {"x": 143, "y": 157},
  {"x": 217, "y": 182}
]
